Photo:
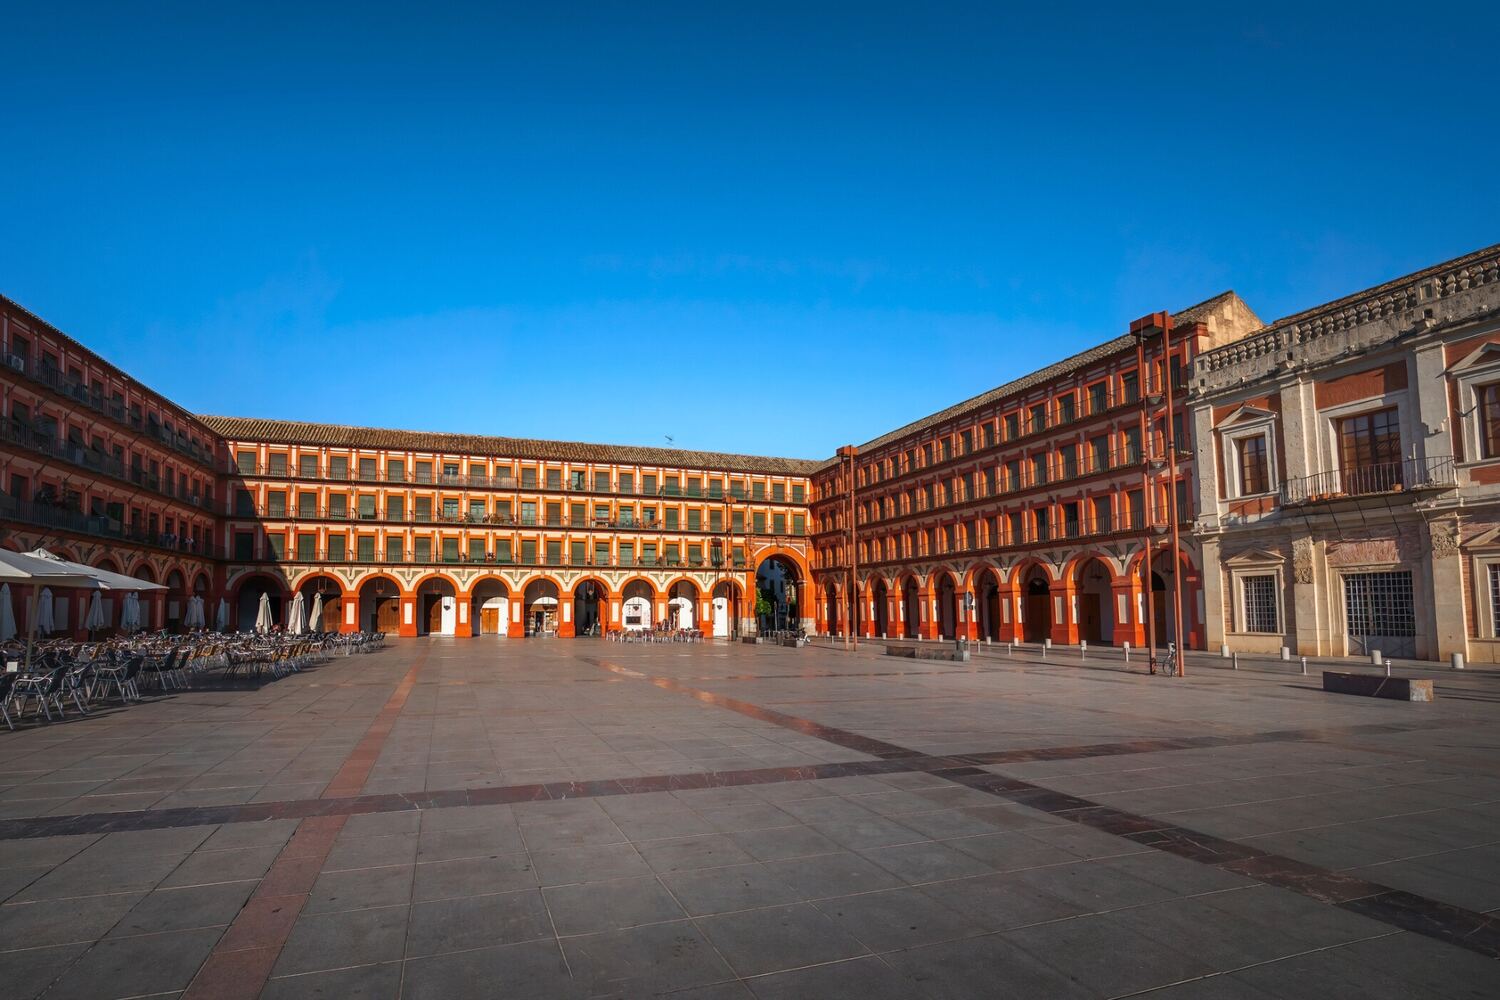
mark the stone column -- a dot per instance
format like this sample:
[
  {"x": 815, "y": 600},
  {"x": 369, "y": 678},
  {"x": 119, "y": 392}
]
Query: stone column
[
  {"x": 1450, "y": 621},
  {"x": 1214, "y": 625}
]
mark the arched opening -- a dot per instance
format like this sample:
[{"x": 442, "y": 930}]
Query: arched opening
[
  {"x": 777, "y": 588},
  {"x": 176, "y": 597},
  {"x": 988, "y": 606},
  {"x": 947, "y": 607},
  {"x": 1163, "y": 581},
  {"x": 881, "y": 599},
  {"x": 831, "y": 608},
  {"x": 540, "y": 608},
  {"x": 437, "y": 607},
  {"x": 322, "y": 602},
  {"x": 200, "y": 585},
  {"x": 379, "y": 606},
  {"x": 911, "y": 608},
  {"x": 635, "y": 609},
  {"x": 1037, "y": 608},
  {"x": 1093, "y": 587},
  {"x": 682, "y": 605},
  {"x": 247, "y": 602},
  {"x": 489, "y": 608},
  {"x": 853, "y": 613},
  {"x": 725, "y": 610},
  {"x": 108, "y": 565},
  {"x": 590, "y": 597}
]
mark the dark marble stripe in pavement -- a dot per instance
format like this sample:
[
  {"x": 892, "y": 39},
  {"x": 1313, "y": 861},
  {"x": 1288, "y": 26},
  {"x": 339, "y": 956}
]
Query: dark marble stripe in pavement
[{"x": 1478, "y": 932}]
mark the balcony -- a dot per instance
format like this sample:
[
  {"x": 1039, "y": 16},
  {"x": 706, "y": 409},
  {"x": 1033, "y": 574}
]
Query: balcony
[
  {"x": 58, "y": 518},
  {"x": 36, "y": 439},
  {"x": 1416, "y": 476}
]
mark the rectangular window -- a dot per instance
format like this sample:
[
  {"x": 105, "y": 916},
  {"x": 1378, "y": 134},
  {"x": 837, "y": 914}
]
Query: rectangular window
[
  {"x": 1370, "y": 452},
  {"x": 245, "y": 462},
  {"x": 276, "y": 503},
  {"x": 554, "y": 479},
  {"x": 338, "y": 467},
  {"x": 395, "y": 470},
  {"x": 758, "y": 521},
  {"x": 1259, "y": 596},
  {"x": 757, "y": 490},
  {"x": 1067, "y": 409},
  {"x": 578, "y": 553},
  {"x": 477, "y": 512},
  {"x": 338, "y": 505},
  {"x": 278, "y": 546},
  {"x": 421, "y": 549},
  {"x": 1254, "y": 473},
  {"x": 648, "y": 483},
  {"x": 778, "y": 524},
  {"x": 1070, "y": 520},
  {"x": 601, "y": 482},
  {"x": 307, "y": 466},
  {"x": 367, "y": 469},
  {"x": 672, "y": 514},
  {"x": 799, "y": 524},
  {"x": 627, "y": 553},
  {"x": 450, "y": 550},
  {"x": 1103, "y": 514},
  {"x": 1017, "y": 529},
  {"x": 1489, "y": 419},
  {"x": 423, "y": 473},
  {"x": 244, "y": 546},
  {"x": 307, "y": 504},
  {"x": 476, "y": 550},
  {"x": 1040, "y": 522},
  {"x": 393, "y": 550},
  {"x": 336, "y": 546},
  {"x": 277, "y": 465},
  {"x": 627, "y": 482},
  {"x": 528, "y": 478},
  {"x": 695, "y": 519},
  {"x": 1379, "y": 612},
  {"x": 422, "y": 509},
  {"x": 366, "y": 507},
  {"x": 528, "y": 551},
  {"x": 601, "y": 553},
  {"x": 307, "y": 547},
  {"x": 715, "y": 519},
  {"x": 799, "y": 494},
  {"x": 502, "y": 550}
]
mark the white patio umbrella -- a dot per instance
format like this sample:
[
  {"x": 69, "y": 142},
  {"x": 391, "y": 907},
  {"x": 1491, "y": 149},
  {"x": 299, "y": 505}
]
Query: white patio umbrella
[
  {"x": 16, "y": 567},
  {"x": 315, "y": 617},
  {"x": 221, "y": 617},
  {"x": 130, "y": 612},
  {"x": 45, "y": 622},
  {"x": 190, "y": 613},
  {"x": 94, "y": 620},
  {"x": 295, "y": 622},
  {"x": 263, "y": 614},
  {"x": 197, "y": 608},
  {"x": 7, "y": 615},
  {"x": 102, "y": 577}
]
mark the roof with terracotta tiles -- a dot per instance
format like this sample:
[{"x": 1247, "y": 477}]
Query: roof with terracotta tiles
[{"x": 250, "y": 429}]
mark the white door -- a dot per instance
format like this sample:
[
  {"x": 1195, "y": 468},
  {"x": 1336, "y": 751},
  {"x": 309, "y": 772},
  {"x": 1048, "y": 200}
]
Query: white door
[
  {"x": 450, "y": 616},
  {"x": 684, "y": 608},
  {"x": 721, "y": 618}
]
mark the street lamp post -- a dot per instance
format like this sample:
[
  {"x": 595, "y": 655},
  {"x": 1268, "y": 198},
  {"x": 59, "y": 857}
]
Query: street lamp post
[{"x": 849, "y": 451}]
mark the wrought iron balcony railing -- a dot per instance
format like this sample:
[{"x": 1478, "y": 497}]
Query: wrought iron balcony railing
[{"x": 1412, "y": 475}]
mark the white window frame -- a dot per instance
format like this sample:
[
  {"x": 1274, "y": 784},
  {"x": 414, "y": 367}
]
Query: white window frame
[
  {"x": 1488, "y": 617},
  {"x": 1468, "y": 381},
  {"x": 1237, "y": 575},
  {"x": 1328, "y": 422},
  {"x": 1230, "y": 438}
]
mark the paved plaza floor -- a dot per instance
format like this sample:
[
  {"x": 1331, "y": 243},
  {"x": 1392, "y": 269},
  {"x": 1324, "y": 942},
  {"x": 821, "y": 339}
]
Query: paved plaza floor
[{"x": 578, "y": 818}]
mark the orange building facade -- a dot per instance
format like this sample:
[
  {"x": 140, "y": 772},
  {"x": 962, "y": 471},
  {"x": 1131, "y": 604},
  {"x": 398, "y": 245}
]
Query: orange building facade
[
  {"x": 445, "y": 534},
  {"x": 1027, "y": 513},
  {"x": 98, "y": 468}
]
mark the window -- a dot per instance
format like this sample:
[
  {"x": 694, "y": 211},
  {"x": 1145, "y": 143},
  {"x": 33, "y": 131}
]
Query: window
[
  {"x": 601, "y": 482},
  {"x": 1254, "y": 473},
  {"x": 245, "y": 460},
  {"x": 1012, "y": 426},
  {"x": 1370, "y": 451},
  {"x": 422, "y": 549},
  {"x": 307, "y": 466},
  {"x": 1067, "y": 409},
  {"x": 1489, "y": 419},
  {"x": 367, "y": 469},
  {"x": 1258, "y": 595},
  {"x": 1380, "y": 613},
  {"x": 277, "y": 465},
  {"x": 393, "y": 551},
  {"x": 395, "y": 470}
]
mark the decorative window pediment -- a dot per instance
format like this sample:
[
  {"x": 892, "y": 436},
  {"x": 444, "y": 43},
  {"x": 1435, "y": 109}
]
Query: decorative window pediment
[
  {"x": 1247, "y": 416},
  {"x": 1485, "y": 356}
]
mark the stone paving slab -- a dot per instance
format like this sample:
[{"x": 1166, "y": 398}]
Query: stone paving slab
[{"x": 942, "y": 830}]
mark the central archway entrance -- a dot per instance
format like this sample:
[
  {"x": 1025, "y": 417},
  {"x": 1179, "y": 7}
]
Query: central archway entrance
[
  {"x": 911, "y": 608},
  {"x": 489, "y": 608},
  {"x": 1093, "y": 585},
  {"x": 541, "y": 608},
  {"x": 588, "y": 598},
  {"x": 988, "y": 585},
  {"x": 635, "y": 607},
  {"x": 947, "y": 607},
  {"x": 437, "y": 608},
  {"x": 682, "y": 604},
  {"x": 247, "y": 604},
  {"x": 332, "y": 594},
  {"x": 379, "y": 606},
  {"x": 777, "y": 581},
  {"x": 725, "y": 610},
  {"x": 1038, "y": 608}
]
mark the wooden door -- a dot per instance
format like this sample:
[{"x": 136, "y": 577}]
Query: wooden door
[
  {"x": 1090, "y": 629},
  {"x": 489, "y": 621},
  {"x": 388, "y": 615},
  {"x": 1038, "y": 617},
  {"x": 332, "y": 615},
  {"x": 434, "y": 615}
]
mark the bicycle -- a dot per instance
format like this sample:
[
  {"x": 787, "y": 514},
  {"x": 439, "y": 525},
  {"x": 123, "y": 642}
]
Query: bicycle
[{"x": 1168, "y": 664}]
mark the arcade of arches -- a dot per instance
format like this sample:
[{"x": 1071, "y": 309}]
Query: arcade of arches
[
  {"x": 1089, "y": 599},
  {"x": 722, "y": 607}
]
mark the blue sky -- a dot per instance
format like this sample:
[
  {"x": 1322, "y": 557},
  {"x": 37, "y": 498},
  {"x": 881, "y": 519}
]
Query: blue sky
[{"x": 771, "y": 228}]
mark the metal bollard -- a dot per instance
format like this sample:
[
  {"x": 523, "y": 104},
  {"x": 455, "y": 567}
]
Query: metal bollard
[
  {"x": 1388, "y": 668},
  {"x": 1304, "y": 666},
  {"x": 1083, "y": 649},
  {"x": 1044, "y": 648},
  {"x": 1127, "y": 652},
  {"x": 1010, "y": 649},
  {"x": 1236, "y": 661}
]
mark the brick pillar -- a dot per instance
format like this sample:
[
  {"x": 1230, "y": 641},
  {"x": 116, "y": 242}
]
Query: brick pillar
[
  {"x": 927, "y": 627},
  {"x": 566, "y": 627},
  {"x": 409, "y": 611},
  {"x": 1064, "y": 617}
]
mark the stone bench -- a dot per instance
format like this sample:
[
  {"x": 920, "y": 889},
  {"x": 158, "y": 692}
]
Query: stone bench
[
  {"x": 933, "y": 652},
  {"x": 1375, "y": 686}
]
